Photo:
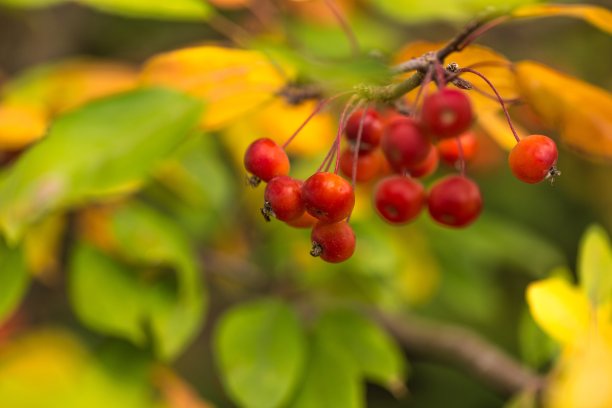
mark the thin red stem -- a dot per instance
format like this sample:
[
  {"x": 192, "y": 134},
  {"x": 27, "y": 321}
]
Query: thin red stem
[
  {"x": 480, "y": 31},
  {"x": 339, "y": 15},
  {"x": 358, "y": 146},
  {"x": 327, "y": 160},
  {"x": 499, "y": 98},
  {"x": 461, "y": 156},
  {"x": 343, "y": 122},
  {"x": 423, "y": 86},
  {"x": 440, "y": 74}
]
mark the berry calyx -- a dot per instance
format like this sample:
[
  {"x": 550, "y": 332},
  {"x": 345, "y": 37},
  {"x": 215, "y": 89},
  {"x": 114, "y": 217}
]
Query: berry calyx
[
  {"x": 449, "y": 149},
  {"x": 454, "y": 201},
  {"x": 328, "y": 197},
  {"x": 399, "y": 199},
  {"x": 371, "y": 132},
  {"x": 533, "y": 159},
  {"x": 283, "y": 199},
  {"x": 404, "y": 144},
  {"x": 265, "y": 160},
  {"x": 368, "y": 165},
  {"x": 446, "y": 113},
  {"x": 333, "y": 242}
]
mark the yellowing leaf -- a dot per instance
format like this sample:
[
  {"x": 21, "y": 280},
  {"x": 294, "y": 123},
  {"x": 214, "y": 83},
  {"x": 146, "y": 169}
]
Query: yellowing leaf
[
  {"x": 582, "y": 112},
  {"x": 597, "y": 16},
  {"x": 177, "y": 392},
  {"x": 42, "y": 245},
  {"x": 595, "y": 265},
  {"x": 21, "y": 125},
  {"x": 231, "y": 81},
  {"x": 560, "y": 309},
  {"x": 194, "y": 10}
]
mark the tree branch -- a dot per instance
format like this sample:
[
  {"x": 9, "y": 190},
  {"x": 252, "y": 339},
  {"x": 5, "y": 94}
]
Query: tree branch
[{"x": 463, "y": 349}]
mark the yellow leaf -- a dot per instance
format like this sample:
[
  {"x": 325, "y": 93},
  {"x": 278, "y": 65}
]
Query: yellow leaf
[
  {"x": 582, "y": 112},
  {"x": 21, "y": 125},
  {"x": 597, "y": 16},
  {"x": 496, "y": 126},
  {"x": 582, "y": 379},
  {"x": 42, "y": 246},
  {"x": 231, "y": 81},
  {"x": 560, "y": 309}
]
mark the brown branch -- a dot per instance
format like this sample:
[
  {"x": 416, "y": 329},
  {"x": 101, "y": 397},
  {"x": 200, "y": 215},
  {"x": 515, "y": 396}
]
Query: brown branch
[{"x": 464, "y": 349}]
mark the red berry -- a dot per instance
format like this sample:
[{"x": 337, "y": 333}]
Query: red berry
[
  {"x": 427, "y": 166},
  {"x": 533, "y": 159},
  {"x": 368, "y": 165},
  {"x": 454, "y": 201},
  {"x": 371, "y": 133},
  {"x": 333, "y": 242},
  {"x": 446, "y": 113},
  {"x": 449, "y": 149},
  {"x": 304, "y": 221},
  {"x": 399, "y": 199},
  {"x": 266, "y": 160},
  {"x": 404, "y": 144},
  {"x": 328, "y": 197},
  {"x": 283, "y": 199}
]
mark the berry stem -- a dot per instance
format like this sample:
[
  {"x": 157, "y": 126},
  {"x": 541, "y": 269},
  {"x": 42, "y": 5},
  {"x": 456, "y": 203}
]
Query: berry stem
[
  {"x": 440, "y": 74},
  {"x": 326, "y": 164},
  {"x": 341, "y": 18},
  {"x": 499, "y": 98},
  {"x": 461, "y": 156},
  {"x": 357, "y": 146},
  {"x": 420, "y": 92},
  {"x": 480, "y": 31},
  {"x": 316, "y": 110},
  {"x": 342, "y": 125}
]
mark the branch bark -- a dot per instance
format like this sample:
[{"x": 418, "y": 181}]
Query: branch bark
[{"x": 464, "y": 349}]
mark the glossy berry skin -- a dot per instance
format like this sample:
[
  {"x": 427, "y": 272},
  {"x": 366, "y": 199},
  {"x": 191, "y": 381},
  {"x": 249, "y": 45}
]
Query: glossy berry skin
[
  {"x": 427, "y": 166},
  {"x": 333, "y": 242},
  {"x": 266, "y": 159},
  {"x": 446, "y": 113},
  {"x": 368, "y": 165},
  {"x": 404, "y": 144},
  {"x": 449, "y": 150},
  {"x": 454, "y": 201},
  {"x": 328, "y": 197},
  {"x": 283, "y": 197},
  {"x": 533, "y": 158},
  {"x": 371, "y": 133},
  {"x": 303, "y": 221},
  {"x": 399, "y": 199}
]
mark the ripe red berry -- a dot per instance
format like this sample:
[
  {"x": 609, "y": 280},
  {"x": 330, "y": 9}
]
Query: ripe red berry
[
  {"x": 454, "y": 201},
  {"x": 265, "y": 159},
  {"x": 404, "y": 144},
  {"x": 283, "y": 199},
  {"x": 304, "y": 221},
  {"x": 533, "y": 159},
  {"x": 427, "y": 166},
  {"x": 371, "y": 133},
  {"x": 368, "y": 165},
  {"x": 333, "y": 242},
  {"x": 449, "y": 150},
  {"x": 328, "y": 197},
  {"x": 399, "y": 199},
  {"x": 446, "y": 113}
]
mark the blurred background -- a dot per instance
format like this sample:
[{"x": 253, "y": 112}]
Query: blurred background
[{"x": 190, "y": 232}]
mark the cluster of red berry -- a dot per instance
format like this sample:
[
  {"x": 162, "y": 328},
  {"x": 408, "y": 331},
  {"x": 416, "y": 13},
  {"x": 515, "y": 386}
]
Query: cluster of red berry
[{"x": 408, "y": 146}]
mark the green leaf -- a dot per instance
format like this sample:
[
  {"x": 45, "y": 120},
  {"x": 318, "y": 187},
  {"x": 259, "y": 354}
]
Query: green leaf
[
  {"x": 417, "y": 11},
  {"x": 260, "y": 351},
  {"x": 331, "y": 379},
  {"x": 188, "y": 10},
  {"x": 30, "y": 3},
  {"x": 595, "y": 264},
  {"x": 14, "y": 279},
  {"x": 102, "y": 149},
  {"x": 154, "y": 298},
  {"x": 373, "y": 351}
]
